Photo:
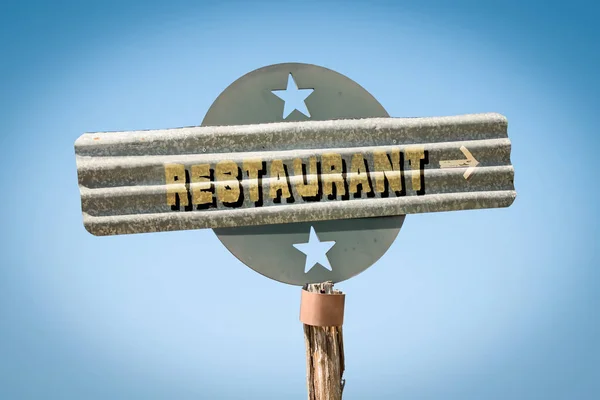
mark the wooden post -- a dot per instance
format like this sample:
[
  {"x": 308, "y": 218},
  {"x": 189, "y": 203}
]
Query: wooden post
[{"x": 324, "y": 354}]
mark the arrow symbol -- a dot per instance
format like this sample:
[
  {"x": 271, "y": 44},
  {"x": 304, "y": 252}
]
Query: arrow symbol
[{"x": 470, "y": 162}]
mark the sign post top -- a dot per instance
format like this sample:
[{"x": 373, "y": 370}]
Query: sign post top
[{"x": 269, "y": 173}]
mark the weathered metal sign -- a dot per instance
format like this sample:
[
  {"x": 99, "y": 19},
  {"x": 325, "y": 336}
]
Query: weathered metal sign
[
  {"x": 230, "y": 176},
  {"x": 299, "y": 170}
]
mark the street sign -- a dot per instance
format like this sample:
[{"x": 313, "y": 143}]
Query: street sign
[
  {"x": 267, "y": 173},
  {"x": 304, "y": 177},
  {"x": 216, "y": 177}
]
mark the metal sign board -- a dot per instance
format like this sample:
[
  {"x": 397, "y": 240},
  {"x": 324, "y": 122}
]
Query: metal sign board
[
  {"x": 216, "y": 177},
  {"x": 302, "y": 252},
  {"x": 251, "y": 175}
]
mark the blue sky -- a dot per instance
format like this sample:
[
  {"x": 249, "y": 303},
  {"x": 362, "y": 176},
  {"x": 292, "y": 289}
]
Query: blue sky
[{"x": 489, "y": 304}]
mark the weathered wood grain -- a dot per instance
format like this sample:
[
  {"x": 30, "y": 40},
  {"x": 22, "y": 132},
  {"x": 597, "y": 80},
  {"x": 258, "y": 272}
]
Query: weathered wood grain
[{"x": 324, "y": 355}]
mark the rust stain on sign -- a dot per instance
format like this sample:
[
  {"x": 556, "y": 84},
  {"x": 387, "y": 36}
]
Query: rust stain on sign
[{"x": 212, "y": 177}]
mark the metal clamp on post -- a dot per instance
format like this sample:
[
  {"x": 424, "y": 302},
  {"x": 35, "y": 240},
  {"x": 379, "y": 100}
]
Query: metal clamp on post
[{"x": 320, "y": 309}]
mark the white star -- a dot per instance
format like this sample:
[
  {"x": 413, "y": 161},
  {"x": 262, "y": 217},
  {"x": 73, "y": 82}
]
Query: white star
[
  {"x": 294, "y": 98},
  {"x": 315, "y": 250}
]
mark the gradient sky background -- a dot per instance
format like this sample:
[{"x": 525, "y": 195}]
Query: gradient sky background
[{"x": 491, "y": 304}]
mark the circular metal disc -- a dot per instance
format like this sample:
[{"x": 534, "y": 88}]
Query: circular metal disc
[{"x": 270, "y": 250}]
